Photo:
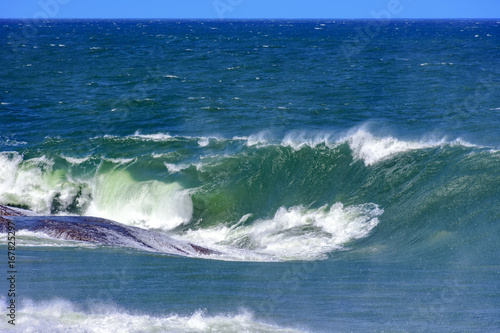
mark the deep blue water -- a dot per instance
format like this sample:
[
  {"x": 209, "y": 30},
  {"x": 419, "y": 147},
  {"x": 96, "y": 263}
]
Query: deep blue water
[{"x": 351, "y": 182}]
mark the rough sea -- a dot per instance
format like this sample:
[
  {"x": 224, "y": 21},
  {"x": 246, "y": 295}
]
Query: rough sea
[{"x": 346, "y": 172}]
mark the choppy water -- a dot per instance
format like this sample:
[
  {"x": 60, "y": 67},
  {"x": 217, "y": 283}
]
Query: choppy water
[{"x": 351, "y": 184}]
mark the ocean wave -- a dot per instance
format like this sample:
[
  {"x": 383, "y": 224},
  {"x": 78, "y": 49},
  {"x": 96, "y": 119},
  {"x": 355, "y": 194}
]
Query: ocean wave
[
  {"x": 364, "y": 144},
  {"x": 60, "y": 315},
  {"x": 37, "y": 184},
  {"x": 244, "y": 198}
]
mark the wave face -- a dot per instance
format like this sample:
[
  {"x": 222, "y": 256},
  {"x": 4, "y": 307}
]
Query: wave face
[{"x": 304, "y": 196}]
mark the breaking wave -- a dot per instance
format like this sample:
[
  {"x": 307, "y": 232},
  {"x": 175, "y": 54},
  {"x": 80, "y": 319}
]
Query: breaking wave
[{"x": 301, "y": 197}]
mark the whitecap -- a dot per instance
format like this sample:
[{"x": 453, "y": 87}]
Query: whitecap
[
  {"x": 76, "y": 160},
  {"x": 173, "y": 168},
  {"x": 203, "y": 142},
  {"x": 372, "y": 149},
  {"x": 260, "y": 139},
  {"x": 121, "y": 160},
  {"x": 153, "y": 137},
  {"x": 298, "y": 140}
]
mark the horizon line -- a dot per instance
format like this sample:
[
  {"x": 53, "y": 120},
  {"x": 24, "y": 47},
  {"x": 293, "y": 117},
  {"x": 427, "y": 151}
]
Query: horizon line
[{"x": 249, "y": 19}]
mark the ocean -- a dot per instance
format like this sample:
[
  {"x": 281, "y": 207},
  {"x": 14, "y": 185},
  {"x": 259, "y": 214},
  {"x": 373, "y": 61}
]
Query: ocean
[{"x": 345, "y": 173}]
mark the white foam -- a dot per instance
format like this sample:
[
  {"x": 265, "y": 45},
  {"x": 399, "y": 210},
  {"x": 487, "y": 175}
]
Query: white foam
[
  {"x": 106, "y": 136},
  {"x": 363, "y": 144},
  {"x": 296, "y": 233},
  {"x": 298, "y": 140},
  {"x": 463, "y": 143},
  {"x": 437, "y": 63},
  {"x": 149, "y": 204},
  {"x": 9, "y": 163},
  {"x": 372, "y": 149},
  {"x": 156, "y": 155},
  {"x": 203, "y": 142},
  {"x": 173, "y": 168},
  {"x": 32, "y": 183},
  {"x": 121, "y": 160},
  {"x": 240, "y": 138},
  {"x": 259, "y": 139},
  {"x": 64, "y": 316},
  {"x": 76, "y": 160},
  {"x": 152, "y": 137}
]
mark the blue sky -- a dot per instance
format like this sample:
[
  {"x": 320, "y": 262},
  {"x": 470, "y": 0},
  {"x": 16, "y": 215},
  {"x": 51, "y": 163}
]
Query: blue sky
[{"x": 245, "y": 9}]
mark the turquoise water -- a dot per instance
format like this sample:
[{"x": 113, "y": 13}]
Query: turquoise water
[{"x": 350, "y": 184}]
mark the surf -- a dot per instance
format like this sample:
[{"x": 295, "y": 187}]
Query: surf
[
  {"x": 304, "y": 196},
  {"x": 59, "y": 315}
]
